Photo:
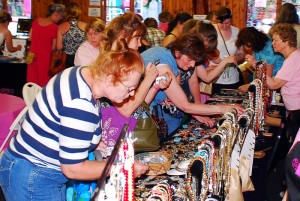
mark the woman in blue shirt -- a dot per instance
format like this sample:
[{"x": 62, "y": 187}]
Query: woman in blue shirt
[
  {"x": 183, "y": 53},
  {"x": 258, "y": 47}
]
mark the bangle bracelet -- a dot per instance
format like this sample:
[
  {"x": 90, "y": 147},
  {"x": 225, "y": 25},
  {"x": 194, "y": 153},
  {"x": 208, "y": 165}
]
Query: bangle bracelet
[{"x": 156, "y": 87}]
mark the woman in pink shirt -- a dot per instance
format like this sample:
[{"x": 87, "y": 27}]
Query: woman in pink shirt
[{"x": 288, "y": 79}]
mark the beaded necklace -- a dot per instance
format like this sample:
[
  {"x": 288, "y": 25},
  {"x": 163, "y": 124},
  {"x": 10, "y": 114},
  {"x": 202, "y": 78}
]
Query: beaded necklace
[
  {"x": 192, "y": 182},
  {"x": 256, "y": 103}
]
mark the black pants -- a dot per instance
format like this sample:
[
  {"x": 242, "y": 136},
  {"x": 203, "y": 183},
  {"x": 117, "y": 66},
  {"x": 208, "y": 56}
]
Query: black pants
[
  {"x": 293, "y": 124},
  {"x": 70, "y": 60}
]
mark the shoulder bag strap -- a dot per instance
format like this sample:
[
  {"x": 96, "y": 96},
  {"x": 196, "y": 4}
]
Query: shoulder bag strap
[{"x": 223, "y": 41}]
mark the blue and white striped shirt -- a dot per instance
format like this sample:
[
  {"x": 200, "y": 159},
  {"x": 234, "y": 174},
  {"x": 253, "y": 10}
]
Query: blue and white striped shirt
[{"x": 62, "y": 125}]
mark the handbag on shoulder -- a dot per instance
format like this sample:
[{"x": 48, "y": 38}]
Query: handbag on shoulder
[{"x": 58, "y": 62}]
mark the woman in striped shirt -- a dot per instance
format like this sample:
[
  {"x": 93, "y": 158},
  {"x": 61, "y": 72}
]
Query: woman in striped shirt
[{"x": 62, "y": 126}]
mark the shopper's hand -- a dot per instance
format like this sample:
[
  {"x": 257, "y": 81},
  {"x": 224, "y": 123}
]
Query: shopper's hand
[
  {"x": 139, "y": 168},
  {"x": 243, "y": 88},
  {"x": 230, "y": 59},
  {"x": 206, "y": 120},
  {"x": 19, "y": 47},
  {"x": 226, "y": 108},
  {"x": 165, "y": 82},
  {"x": 250, "y": 59},
  {"x": 151, "y": 72}
]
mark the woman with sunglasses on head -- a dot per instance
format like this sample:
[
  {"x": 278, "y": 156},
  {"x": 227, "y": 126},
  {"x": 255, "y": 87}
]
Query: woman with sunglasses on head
[
  {"x": 231, "y": 78},
  {"x": 189, "y": 78}
]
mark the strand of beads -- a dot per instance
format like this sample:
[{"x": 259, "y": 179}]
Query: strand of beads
[
  {"x": 192, "y": 182},
  {"x": 208, "y": 146},
  {"x": 257, "y": 105}
]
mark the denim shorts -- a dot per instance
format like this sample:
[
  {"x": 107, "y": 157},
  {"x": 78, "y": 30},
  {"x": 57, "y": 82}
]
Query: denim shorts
[{"x": 22, "y": 180}]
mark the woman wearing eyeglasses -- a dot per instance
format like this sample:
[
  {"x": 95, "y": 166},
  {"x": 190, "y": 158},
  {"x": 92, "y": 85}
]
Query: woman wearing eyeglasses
[
  {"x": 288, "y": 80},
  {"x": 63, "y": 125}
]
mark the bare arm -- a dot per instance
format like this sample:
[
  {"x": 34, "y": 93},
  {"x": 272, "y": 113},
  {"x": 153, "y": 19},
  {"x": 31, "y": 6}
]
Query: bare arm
[
  {"x": 87, "y": 170},
  {"x": 59, "y": 38},
  {"x": 275, "y": 83},
  {"x": 194, "y": 87},
  {"x": 167, "y": 40},
  {"x": 9, "y": 42},
  {"x": 176, "y": 95},
  {"x": 30, "y": 35},
  {"x": 209, "y": 76},
  {"x": 128, "y": 107}
]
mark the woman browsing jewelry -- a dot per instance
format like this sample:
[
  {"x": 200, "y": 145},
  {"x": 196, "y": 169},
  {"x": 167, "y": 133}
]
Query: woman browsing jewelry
[
  {"x": 288, "y": 77},
  {"x": 231, "y": 77},
  {"x": 63, "y": 125}
]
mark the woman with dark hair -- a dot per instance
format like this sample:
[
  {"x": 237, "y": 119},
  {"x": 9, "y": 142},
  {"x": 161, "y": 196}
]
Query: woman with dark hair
[
  {"x": 71, "y": 33},
  {"x": 287, "y": 13},
  {"x": 258, "y": 47},
  {"x": 183, "y": 53},
  {"x": 175, "y": 27}
]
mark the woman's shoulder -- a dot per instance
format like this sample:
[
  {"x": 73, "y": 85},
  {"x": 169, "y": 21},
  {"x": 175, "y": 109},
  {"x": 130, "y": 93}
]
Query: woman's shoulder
[
  {"x": 235, "y": 29},
  {"x": 81, "y": 25}
]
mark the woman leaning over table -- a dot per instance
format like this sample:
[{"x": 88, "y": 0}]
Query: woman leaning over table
[
  {"x": 63, "y": 126},
  {"x": 288, "y": 77},
  {"x": 183, "y": 53},
  {"x": 129, "y": 28}
]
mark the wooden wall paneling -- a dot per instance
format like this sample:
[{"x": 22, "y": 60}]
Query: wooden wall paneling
[
  {"x": 242, "y": 14},
  {"x": 176, "y": 6},
  {"x": 215, "y": 4},
  {"x": 201, "y": 7},
  {"x": 84, "y": 5}
]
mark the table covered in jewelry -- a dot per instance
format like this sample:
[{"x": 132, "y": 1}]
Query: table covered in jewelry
[{"x": 203, "y": 168}]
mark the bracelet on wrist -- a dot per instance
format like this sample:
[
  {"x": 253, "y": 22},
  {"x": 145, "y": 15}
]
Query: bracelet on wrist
[{"x": 156, "y": 87}]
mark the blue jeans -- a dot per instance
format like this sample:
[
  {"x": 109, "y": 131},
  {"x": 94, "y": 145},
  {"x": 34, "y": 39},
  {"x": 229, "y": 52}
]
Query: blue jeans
[{"x": 22, "y": 180}]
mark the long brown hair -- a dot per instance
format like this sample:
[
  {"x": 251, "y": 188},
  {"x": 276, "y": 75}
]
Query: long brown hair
[
  {"x": 118, "y": 63},
  {"x": 122, "y": 28}
]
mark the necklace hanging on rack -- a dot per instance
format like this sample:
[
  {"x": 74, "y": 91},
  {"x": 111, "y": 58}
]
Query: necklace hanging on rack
[
  {"x": 196, "y": 180},
  {"x": 256, "y": 103}
]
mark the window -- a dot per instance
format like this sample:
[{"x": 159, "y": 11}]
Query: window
[
  {"x": 19, "y": 9},
  {"x": 146, "y": 8}
]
